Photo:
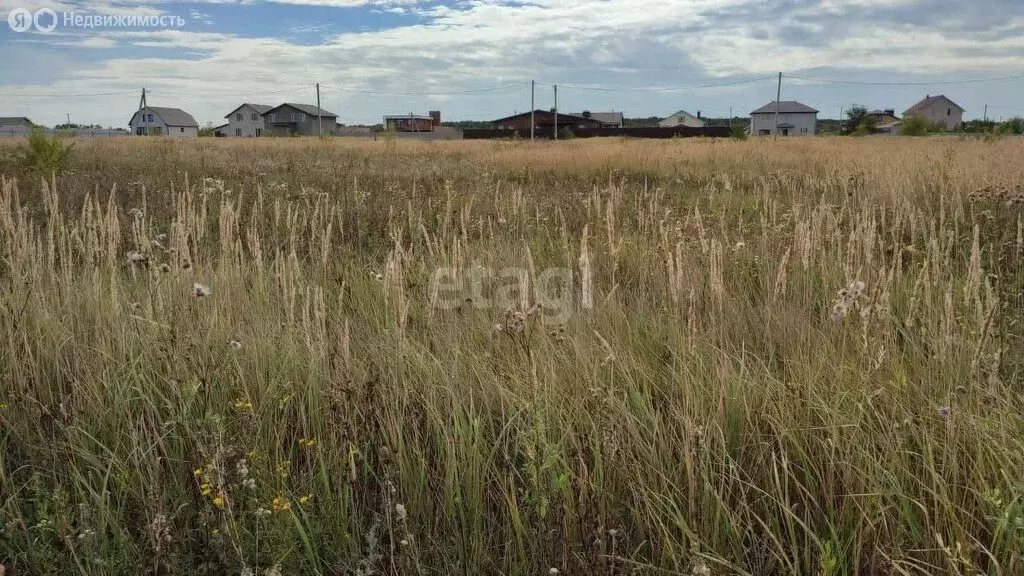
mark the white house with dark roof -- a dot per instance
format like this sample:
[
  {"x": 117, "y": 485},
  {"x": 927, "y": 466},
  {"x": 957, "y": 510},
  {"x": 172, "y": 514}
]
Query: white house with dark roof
[
  {"x": 246, "y": 121},
  {"x": 794, "y": 119},
  {"x": 682, "y": 118},
  {"x": 156, "y": 120},
  {"x": 937, "y": 110}
]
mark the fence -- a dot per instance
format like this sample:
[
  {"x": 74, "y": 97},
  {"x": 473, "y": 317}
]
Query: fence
[
  {"x": 16, "y": 131},
  {"x": 578, "y": 132}
]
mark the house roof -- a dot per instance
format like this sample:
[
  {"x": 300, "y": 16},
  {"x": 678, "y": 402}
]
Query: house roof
[
  {"x": 603, "y": 117},
  {"x": 547, "y": 112},
  {"x": 14, "y": 120},
  {"x": 881, "y": 113},
  {"x": 928, "y": 101},
  {"x": 414, "y": 116},
  {"x": 259, "y": 108},
  {"x": 310, "y": 109},
  {"x": 683, "y": 113},
  {"x": 170, "y": 116},
  {"x": 786, "y": 107},
  {"x": 222, "y": 126}
]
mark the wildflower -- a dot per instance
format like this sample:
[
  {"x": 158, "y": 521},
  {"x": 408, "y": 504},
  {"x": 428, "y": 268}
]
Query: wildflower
[
  {"x": 205, "y": 489},
  {"x": 849, "y": 300},
  {"x": 283, "y": 467},
  {"x": 307, "y": 442},
  {"x": 198, "y": 472},
  {"x": 553, "y": 570},
  {"x": 136, "y": 257},
  {"x": 242, "y": 404},
  {"x": 305, "y": 498},
  {"x": 403, "y": 542},
  {"x": 242, "y": 468},
  {"x": 944, "y": 411},
  {"x": 613, "y": 532},
  {"x": 699, "y": 568},
  {"x": 218, "y": 501},
  {"x": 249, "y": 483},
  {"x": 279, "y": 504},
  {"x": 85, "y": 533},
  {"x": 261, "y": 512},
  {"x": 200, "y": 290},
  {"x": 135, "y": 212},
  {"x": 400, "y": 511},
  {"x": 275, "y": 571},
  {"x": 235, "y": 345}
]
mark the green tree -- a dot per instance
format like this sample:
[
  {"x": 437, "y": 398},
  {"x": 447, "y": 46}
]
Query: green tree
[{"x": 855, "y": 117}]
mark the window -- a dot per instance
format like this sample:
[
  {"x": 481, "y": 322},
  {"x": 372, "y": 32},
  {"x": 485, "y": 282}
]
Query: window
[
  {"x": 238, "y": 131},
  {"x": 181, "y": 129},
  {"x": 273, "y": 117},
  {"x": 253, "y": 116},
  {"x": 238, "y": 116},
  {"x": 300, "y": 117},
  {"x": 140, "y": 131},
  {"x": 149, "y": 117},
  {"x": 764, "y": 132},
  {"x": 949, "y": 111},
  {"x": 803, "y": 130},
  {"x": 259, "y": 131}
]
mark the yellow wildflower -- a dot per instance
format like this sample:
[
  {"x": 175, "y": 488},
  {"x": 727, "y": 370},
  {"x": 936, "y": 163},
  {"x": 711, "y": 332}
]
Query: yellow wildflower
[
  {"x": 205, "y": 488},
  {"x": 279, "y": 504},
  {"x": 198, "y": 471},
  {"x": 305, "y": 498},
  {"x": 218, "y": 502}
]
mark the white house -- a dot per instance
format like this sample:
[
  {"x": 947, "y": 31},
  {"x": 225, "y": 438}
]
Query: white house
[
  {"x": 937, "y": 110},
  {"x": 682, "y": 118},
  {"x": 794, "y": 119},
  {"x": 246, "y": 120},
  {"x": 173, "y": 122}
]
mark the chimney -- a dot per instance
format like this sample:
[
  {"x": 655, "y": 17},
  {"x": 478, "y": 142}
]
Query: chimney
[
  {"x": 890, "y": 111},
  {"x": 586, "y": 113},
  {"x": 698, "y": 114},
  {"x": 435, "y": 117}
]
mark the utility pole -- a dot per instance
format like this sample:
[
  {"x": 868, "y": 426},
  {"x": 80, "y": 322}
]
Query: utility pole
[
  {"x": 142, "y": 115},
  {"x": 730, "y": 116},
  {"x": 533, "y": 86},
  {"x": 778, "y": 97},
  {"x": 840, "y": 120},
  {"x": 319, "y": 123},
  {"x": 556, "y": 111},
  {"x": 69, "y": 117},
  {"x": 984, "y": 120}
]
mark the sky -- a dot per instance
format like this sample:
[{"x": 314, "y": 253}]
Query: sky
[{"x": 475, "y": 59}]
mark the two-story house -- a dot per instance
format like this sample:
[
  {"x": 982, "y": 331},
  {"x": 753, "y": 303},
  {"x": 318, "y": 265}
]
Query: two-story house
[
  {"x": 937, "y": 110},
  {"x": 793, "y": 119},
  {"x": 291, "y": 119},
  {"x": 246, "y": 120},
  {"x": 157, "y": 120}
]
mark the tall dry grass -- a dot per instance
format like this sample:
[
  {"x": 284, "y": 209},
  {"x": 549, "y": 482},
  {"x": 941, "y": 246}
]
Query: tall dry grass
[{"x": 800, "y": 357}]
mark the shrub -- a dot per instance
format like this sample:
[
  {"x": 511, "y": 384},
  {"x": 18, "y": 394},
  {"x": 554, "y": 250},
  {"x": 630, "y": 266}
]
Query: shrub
[
  {"x": 737, "y": 132},
  {"x": 914, "y": 126},
  {"x": 43, "y": 154}
]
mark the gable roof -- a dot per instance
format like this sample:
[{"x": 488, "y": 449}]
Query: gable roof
[
  {"x": 928, "y": 101},
  {"x": 602, "y": 117},
  {"x": 170, "y": 116},
  {"x": 310, "y": 109},
  {"x": 548, "y": 113},
  {"x": 15, "y": 121},
  {"x": 682, "y": 113},
  {"x": 259, "y": 108},
  {"x": 786, "y": 107}
]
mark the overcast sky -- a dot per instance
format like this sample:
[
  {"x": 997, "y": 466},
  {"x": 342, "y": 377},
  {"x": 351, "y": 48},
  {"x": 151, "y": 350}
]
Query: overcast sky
[{"x": 622, "y": 55}]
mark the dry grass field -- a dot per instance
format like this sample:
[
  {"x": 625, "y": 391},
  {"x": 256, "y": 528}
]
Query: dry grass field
[{"x": 584, "y": 357}]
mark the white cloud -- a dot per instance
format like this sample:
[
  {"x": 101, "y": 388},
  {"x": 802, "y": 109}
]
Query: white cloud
[{"x": 483, "y": 43}]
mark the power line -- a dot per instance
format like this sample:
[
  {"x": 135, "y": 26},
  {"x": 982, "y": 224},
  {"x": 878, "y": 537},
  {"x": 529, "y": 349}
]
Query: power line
[
  {"x": 662, "y": 88},
  {"x": 934, "y": 83},
  {"x": 64, "y": 95},
  {"x": 449, "y": 93},
  {"x": 234, "y": 92}
]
